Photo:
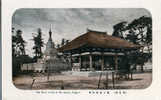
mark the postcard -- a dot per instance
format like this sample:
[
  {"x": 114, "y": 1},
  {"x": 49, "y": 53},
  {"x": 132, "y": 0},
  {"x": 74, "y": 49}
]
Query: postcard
[{"x": 56, "y": 50}]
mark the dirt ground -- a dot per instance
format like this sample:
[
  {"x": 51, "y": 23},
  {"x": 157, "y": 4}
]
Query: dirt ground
[{"x": 57, "y": 81}]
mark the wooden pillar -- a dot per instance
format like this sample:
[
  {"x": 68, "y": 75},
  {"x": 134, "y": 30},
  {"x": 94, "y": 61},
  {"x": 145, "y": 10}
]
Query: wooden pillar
[
  {"x": 102, "y": 62},
  {"x": 48, "y": 70},
  {"x": 113, "y": 80},
  {"x": 131, "y": 76},
  {"x": 99, "y": 80},
  {"x": 27, "y": 68},
  {"x": 106, "y": 80},
  {"x": 80, "y": 62},
  {"x": 116, "y": 62},
  {"x": 90, "y": 62},
  {"x": 71, "y": 60}
]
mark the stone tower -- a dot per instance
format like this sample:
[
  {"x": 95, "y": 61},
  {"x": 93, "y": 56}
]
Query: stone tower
[
  {"x": 53, "y": 62},
  {"x": 50, "y": 51}
]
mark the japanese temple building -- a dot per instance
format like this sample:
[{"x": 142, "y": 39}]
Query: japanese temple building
[{"x": 95, "y": 50}]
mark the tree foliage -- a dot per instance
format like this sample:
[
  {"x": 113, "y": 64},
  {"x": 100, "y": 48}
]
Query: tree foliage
[
  {"x": 139, "y": 32},
  {"x": 18, "y": 50},
  {"x": 38, "y": 44},
  {"x": 141, "y": 29},
  {"x": 119, "y": 29},
  {"x": 18, "y": 43},
  {"x": 62, "y": 42}
]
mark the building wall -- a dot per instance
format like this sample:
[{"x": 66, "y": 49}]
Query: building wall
[
  {"x": 36, "y": 67},
  {"x": 54, "y": 66}
]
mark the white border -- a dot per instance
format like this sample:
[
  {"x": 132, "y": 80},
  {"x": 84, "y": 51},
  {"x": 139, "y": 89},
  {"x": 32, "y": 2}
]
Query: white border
[{"x": 12, "y": 93}]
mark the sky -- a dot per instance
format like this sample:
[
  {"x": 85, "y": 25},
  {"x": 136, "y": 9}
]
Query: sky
[{"x": 70, "y": 23}]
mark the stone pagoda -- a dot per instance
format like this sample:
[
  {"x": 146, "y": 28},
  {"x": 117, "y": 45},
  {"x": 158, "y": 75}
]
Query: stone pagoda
[
  {"x": 50, "y": 52},
  {"x": 53, "y": 62}
]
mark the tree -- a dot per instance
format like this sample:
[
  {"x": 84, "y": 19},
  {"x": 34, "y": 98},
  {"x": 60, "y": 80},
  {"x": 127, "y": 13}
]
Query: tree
[
  {"x": 18, "y": 50},
  {"x": 62, "y": 42},
  {"x": 19, "y": 43},
  {"x": 38, "y": 44},
  {"x": 58, "y": 45},
  {"x": 13, "y": 43},
  {"x": 142, "y": 29},
  {"x": 140, "y": 32},
  {"x": 67, "y": 41},
  {"x": 119, "y": 29}
]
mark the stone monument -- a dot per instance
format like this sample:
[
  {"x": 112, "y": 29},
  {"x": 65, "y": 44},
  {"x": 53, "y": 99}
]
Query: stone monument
[{"x": 54, "y": 62}]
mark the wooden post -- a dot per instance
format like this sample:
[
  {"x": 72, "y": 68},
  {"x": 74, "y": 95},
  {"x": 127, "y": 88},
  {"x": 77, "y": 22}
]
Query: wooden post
[
  {"x": 71, "y": 60},
  {"x": 102, "y": 62},
  {"x": 32, "y": 83},
  {"x": 48, "y": 69},
  {"x": 80, "y": 62},
  {"x": 48, "y": 76},
  {"x": 113, "y": 80},
  {"x": 90, "y": 62},
  {"x": 62, "y": 85},
  {"x": 131, "y": 75},
  {"x": 99, "y": 81},
  {"x": 106, "y": 80},
  {"x": 27, "y": 68},
  {"x": 116, "y": 62}
]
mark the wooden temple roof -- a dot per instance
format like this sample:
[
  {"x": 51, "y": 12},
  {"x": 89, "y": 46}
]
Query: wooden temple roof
[{"x": 98, "y": 40}]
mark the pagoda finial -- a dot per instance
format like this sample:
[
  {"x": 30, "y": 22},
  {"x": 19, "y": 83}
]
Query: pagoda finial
[{"x": 50, "y": 33}]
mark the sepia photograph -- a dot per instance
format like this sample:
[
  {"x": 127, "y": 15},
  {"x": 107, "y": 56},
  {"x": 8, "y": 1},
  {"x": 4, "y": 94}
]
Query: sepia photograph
[{"x": 81, "y": 48}]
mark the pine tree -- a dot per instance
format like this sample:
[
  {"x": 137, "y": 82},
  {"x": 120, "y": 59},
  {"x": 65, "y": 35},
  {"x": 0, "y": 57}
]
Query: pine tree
[{"x": 38, "y": 44}]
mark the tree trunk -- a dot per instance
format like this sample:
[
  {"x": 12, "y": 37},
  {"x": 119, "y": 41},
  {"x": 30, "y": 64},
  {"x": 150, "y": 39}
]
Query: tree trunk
[{"x": 142, "y": 68}]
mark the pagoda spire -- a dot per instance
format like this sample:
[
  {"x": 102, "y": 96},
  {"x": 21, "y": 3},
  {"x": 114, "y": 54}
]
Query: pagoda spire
[{"x": 50, "y": 32}]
